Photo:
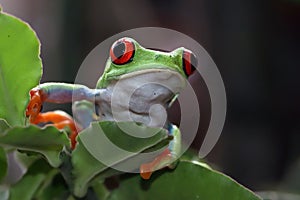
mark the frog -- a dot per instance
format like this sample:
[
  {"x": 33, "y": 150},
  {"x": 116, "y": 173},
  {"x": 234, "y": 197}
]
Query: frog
[{"x": 150, "y": 78}]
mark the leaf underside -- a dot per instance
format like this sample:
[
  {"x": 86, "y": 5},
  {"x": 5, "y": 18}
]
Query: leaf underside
[{"x": 46, "y": 141}]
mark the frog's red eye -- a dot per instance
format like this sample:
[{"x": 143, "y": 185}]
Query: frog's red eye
[
  {"x": 189, "y": 62},
  {"x": 122, "y": 51}
]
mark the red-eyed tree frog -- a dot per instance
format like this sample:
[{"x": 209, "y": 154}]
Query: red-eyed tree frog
[{"x": 156, "y": 77}]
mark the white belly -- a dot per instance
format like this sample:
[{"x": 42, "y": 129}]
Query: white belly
[{"x": 143, "y": 97}]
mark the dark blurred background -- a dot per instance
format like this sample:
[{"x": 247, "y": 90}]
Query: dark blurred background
[{"x": 255, "y": 45}]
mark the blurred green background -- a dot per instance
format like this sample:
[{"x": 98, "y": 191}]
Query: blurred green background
[{"x": 255, "y": 45}]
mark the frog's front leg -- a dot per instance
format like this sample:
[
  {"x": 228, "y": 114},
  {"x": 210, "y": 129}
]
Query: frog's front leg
[
  {"x": 167, "y": 158},
  {"x": 58, "y": 93}
]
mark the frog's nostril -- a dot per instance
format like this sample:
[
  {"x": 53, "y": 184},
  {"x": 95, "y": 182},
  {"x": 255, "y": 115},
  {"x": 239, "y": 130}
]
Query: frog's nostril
[{"x": 189, "y": 62}]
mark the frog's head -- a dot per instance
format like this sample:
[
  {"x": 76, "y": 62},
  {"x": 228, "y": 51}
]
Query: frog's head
[
  {"x": 142, "y": 78},
  {"x": 129, "y": 59}
]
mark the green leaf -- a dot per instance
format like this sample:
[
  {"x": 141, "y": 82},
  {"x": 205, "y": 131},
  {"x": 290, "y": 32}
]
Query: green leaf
[
  {"x": 100, "y": 189},
  {"x": 53, "y": 188},
  {"x": 47, "y": 141},
  {"x": 85, "y": 167},
  {"x": 190, "y": 180},
  {"x": 20, "y": 67},
  {"x": 99, "y": 147},
  {"x": 3, "y": 163},
  {"x": 26, "y": 188},
  {"x": 30, "y": 183},
  {"x": 25, "y": 160},
  {"x": 3, "y": 126}
]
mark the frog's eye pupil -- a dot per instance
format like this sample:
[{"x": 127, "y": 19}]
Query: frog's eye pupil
[
  {"x": 189, "y": 62},
  {"x": 119, "y": 49},
  {"x": 122, "y": 51}
]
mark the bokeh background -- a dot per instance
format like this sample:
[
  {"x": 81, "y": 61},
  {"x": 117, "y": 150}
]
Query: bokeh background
[{"x": 255, "y": 45}]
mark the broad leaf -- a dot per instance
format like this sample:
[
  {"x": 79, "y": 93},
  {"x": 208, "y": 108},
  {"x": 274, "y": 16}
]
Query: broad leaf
[
  {"x": 3, "y": 163},
  {"x": 25, "y": 160},
  {"x": 190, "y": 180},
  {"x": 20, "y": 67},
  {"x": 31, "y": 182},
  {"x": 85, "y": 167},
  {"x": 53, "y": 187},
  {"x": 47, "y": 141},
  {"x": 3, "y": 126},
  {"x": 100, "y": 189},
  {"x": 104, "y": 145}
]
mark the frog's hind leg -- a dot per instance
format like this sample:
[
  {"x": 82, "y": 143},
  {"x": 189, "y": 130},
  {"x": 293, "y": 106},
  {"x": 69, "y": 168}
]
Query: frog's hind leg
[
  {"x": 60, "y": 120},
  {"x": 167, "y": 158}
]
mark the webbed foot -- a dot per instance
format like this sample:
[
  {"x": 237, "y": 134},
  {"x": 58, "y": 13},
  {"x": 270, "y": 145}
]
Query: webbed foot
[{"x": 35, "y": 105}]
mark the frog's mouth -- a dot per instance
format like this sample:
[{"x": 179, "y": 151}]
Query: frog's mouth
[{"x": 167, "y": 78}]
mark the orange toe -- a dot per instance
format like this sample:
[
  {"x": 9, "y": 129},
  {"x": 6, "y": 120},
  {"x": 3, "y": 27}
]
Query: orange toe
[
  {"x": 145, "y": 171},
  {"x": 34, "y": 106}
]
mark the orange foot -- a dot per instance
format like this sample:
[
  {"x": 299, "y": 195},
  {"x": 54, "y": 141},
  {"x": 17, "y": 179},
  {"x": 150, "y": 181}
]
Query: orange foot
[
  {"x": 147, "y": 169},
  {"x": 35, "y": 105},
  {"x": 59, "y": 119}
]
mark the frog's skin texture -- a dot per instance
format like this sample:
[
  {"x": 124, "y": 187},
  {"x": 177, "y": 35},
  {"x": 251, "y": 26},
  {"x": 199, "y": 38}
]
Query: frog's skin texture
[{"x": 146, "y": 77}]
